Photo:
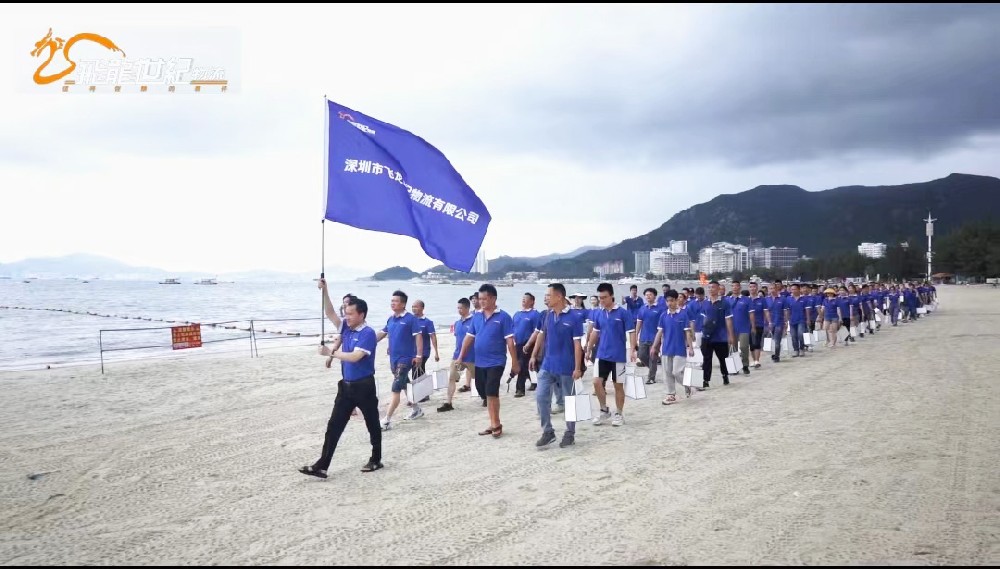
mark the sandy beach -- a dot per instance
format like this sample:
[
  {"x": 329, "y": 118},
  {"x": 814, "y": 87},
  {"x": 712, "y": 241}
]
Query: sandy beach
[{"x": 882, "y": 453}]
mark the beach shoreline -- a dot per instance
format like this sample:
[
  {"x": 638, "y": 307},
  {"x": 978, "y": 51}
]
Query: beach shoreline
[{"x": 884, "y": 452}]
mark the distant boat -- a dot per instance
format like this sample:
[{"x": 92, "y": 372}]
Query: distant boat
[
  {"x": 171, "y": 281},
  {"x": 84, "y": 282},
  {"x": 26, "y": 281},
  {"x": 206, "y": 282}
]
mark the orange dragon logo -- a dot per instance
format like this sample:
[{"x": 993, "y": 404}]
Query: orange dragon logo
[{"x": 55, "y": 45}]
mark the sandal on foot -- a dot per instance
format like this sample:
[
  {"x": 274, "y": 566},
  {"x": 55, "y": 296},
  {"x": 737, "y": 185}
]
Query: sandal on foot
[
  {"x": 670, "y": 399},
  {"x": 488, "y": 431},
  {"x": 311, "y": 470},
  {"x": 497, "y": 432}
]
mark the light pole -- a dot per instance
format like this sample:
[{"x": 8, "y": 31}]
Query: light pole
[{"x": 930, "y": 234}]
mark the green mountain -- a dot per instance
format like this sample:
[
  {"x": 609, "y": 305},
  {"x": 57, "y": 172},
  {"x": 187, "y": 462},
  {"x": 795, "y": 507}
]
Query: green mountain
[
  {"x": 818, "y": 223},
  {"x": 395, "y": 274}
]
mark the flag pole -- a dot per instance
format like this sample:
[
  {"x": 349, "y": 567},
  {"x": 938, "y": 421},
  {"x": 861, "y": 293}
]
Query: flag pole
[{"x": 322, "y": 223}]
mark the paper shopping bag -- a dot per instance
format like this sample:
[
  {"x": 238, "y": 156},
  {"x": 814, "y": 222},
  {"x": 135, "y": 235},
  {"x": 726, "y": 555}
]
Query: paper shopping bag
[
  {"x": 807, "y": 339},
  {"x": 690, "y": 379},
  {"x": 732, "y": 364},
  {"x": 697, "y": 358},
  {"x": 419, "y": 388},
  {"x": 578, "y": 407},
  {"x": 440, "y": 379},
  {"x": 786, "y": 344},
  {"x": 635, "y": 387},
  {"x": 768, "y": 344}
]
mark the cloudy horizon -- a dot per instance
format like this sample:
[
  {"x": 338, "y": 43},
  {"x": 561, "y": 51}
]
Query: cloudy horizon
[{"x": 581, "y": 125}]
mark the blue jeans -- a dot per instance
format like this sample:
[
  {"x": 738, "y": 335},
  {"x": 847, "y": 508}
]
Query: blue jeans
[
  {"x": 798, "y": 330},
  {"x": 778, "y": 333},
  {"x": 547, "y": 382},
  {"x": 401, "y": 376}
]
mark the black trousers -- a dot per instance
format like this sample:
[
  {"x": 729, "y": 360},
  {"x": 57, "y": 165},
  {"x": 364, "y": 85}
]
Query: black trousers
[
  {"x": 523, "y": 375},
  {"x": 350, "y": 395},
  {"x": 721, "y": 350}
]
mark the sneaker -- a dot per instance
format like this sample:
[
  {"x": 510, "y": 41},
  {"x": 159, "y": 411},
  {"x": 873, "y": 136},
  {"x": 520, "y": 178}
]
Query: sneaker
[
  {"x": 445, "y": 407},
  {"x": 568, "y": 440},
  {"x": 533, "y": 387},
  {"x": 484, "y": 403},
  {"x": 547, "y": 438},
  {"x": 464, "y": 389},
  {"x": 704, "y": 386},
  {"x": 602, "y": 417},
  {"x": 386, "y": 425},
  {"x": 746, "y": 371},
  {"x": 559, "y": 409},
  {"x": 618, "y": 420},
  {"x": 425, "y": 399},
  {"x": 518, "y": 394},
  {"x": 415, "y": 414},
  {"x": 756, "y": 364},
  {"x": 371, "y": 466},
  {"x": 725, "y": 380}
]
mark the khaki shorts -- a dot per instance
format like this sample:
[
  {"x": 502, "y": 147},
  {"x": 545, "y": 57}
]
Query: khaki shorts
[{"x": 458, "y": 367}]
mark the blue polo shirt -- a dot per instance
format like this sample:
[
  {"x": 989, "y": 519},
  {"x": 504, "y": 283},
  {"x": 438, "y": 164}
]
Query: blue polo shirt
[
  {"x": 461, "y": 329},
  {"x": 776, "y": 307},
  {"x": 796, "y": 310},
  {"x": 741, "y": 315},
  {"x": 582, "y": 313},
  {"x": 613, "y": 326},
  {"x": 723, "y": 311},
  {"x": 525, "y": 323},
  {"x": 561, "y": 333},
  {"x": 634, "y": 305},
  {"x": 784, "y": 293},
  {"x": 673, "y": 326},
  {"x": 830, "y": 309},
  {"x": 491, "y": 338},
  {"x": 855, "y": 302},
  {"x": 694, "y": 313},
  {"x": 360, "y": 339},
  {"x": 650, "y": 317},
  {"x": 426, "y": 327},
  {"x": 844, "y": 304},
  {"x": 661, "y": 302},
  {"x": 757, "y": 306},
  {"x": 402, "y": 331}
]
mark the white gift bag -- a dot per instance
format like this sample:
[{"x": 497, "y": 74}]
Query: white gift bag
[
  {"x": 440, "y": 379},
  {"x": 635, "y": 387},
  {"x": 697, "y": 358},
  {"x": 768, "y": 344},
  {"x": 733, "y": 364},
  {"x": 689, "y": 379},
  {"x": 419, "y": 388},
  {"x": 697, "y": 339},
  {"x": 807, "y": 339},
  {"x": 622, "y": 370},
  {"x": 854, "y": 331},
  {"x": 578, "y": 406},
  {"x": 786, "y": 344},
  {"x": 921, "y": 310},
  {"x": 473, "y": 392},
  {"x": 878, "y": 319},
  {"x": 817, "y": 337}
]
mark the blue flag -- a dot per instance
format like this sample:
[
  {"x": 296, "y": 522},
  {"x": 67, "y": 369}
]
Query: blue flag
[{"x": 383, "y": 178}]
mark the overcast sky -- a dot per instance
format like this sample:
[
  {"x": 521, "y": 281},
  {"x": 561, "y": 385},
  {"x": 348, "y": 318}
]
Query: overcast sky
[{"x": 575, "y": 125}]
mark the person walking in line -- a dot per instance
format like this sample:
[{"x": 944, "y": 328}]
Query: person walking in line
[
  {"x": 406, "y": 348},
  {"x": 355, "y": 391},
  {"x": 741, "y": 306},
  {"x": 718, "y": 334},
  {"x": 831, "y": 316},
  {"x": 462, "y": 326},
  {"x": 428, "y": 338},
  {"x": 613, "y": 326},
  {"x": 674, "y": 343},
  {"x": 526, "y": 321},
  {"x": 558, "y": 346},
  {"x": 776, "y": 314},
  {"x": 492, "y": 338},
  {"x": 757, "y": 322},
  {"x": 649, "y": 319}
]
